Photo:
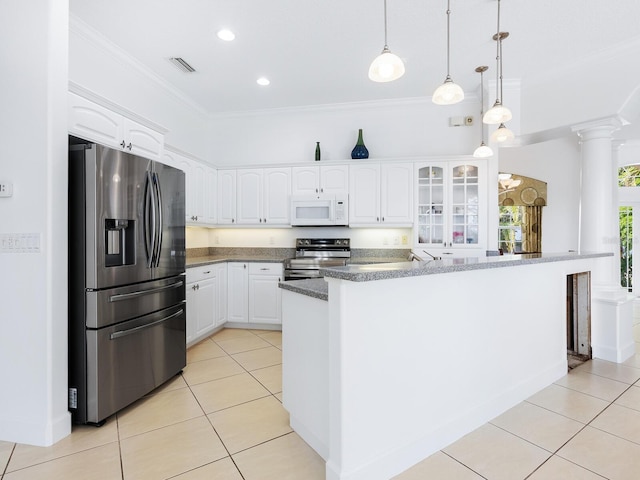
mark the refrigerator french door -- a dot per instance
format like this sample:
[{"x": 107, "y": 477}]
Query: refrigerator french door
[{"x": 127, "y": 309}]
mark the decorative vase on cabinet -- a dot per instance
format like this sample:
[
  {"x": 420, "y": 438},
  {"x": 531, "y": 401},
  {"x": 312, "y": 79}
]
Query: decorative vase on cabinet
[{"x": 359, "y": 151}]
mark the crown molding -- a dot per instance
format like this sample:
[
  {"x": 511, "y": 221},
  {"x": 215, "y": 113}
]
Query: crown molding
[{"x": 87, "y": 33}]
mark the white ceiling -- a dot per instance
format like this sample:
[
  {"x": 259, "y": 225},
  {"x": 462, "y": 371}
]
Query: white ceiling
[{"x": 318, "y": 51}]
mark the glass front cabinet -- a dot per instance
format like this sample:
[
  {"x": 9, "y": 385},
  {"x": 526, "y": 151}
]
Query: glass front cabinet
[{"x": 451, "y": 207}]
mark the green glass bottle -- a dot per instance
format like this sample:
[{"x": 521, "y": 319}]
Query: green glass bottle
[{"x": 317, "y": 151}]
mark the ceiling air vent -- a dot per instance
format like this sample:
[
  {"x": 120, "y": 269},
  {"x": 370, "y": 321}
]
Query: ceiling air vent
[{"x": 182, "y": 64}]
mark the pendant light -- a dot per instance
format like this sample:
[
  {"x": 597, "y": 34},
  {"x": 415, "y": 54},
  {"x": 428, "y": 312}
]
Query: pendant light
[
  {"x": 387, "y": 66},
  {"x": 483, "y": 150},
  {"x": 502, "y": 134},
  {"x": 498, "y": 113},
  {"x": 448, "y": 93}
]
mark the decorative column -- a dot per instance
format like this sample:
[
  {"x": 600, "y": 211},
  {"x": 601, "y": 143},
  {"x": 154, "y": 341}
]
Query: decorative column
[{"x": 611, "y": 305}]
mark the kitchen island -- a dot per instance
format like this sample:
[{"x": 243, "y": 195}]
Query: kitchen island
[{"x": 402, "y": 359}]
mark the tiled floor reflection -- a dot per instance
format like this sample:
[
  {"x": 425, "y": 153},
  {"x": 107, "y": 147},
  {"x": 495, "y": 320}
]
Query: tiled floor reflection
[{"x": 222, "y": 419}]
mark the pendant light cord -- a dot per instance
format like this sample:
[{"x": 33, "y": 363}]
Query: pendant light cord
[
  {"x": 385, "y": 24},
  {"x": 498, "y": 70},
  {"x": 448, "y": 36},
  {"x": 482, "y": 104}
]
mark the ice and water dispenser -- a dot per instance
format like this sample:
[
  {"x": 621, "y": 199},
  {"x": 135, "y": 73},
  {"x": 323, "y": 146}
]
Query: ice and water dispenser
[{"x": 119, "y": 242}]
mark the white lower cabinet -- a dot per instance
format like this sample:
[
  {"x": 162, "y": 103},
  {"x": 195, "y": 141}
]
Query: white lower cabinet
[
  {"x": 206, "y": 300},
  {"x": 265, "y": 299},
  {"x": 237, "y": 292},
  {"x": 253, "y": 293}
]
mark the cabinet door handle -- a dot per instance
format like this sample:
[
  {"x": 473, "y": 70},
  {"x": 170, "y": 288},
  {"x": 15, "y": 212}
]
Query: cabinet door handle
[
  {"x": 122, "y": 144},
  {"x": 260, "y": 220},
  {"x": 317, "y": 190},
  {"x": 129, "y": 146},
  {"x": 233, "y": 220},
  {"x": 377, "y": 219},
  {"x": 244, "y": 266},
  {"x": 265, "y": 220},
  {"x": 322, "y": 190},
  {"x": 263, "y": 269},
  {"x": 206, "y": 273},
  {"x": 383, "y": 219}
]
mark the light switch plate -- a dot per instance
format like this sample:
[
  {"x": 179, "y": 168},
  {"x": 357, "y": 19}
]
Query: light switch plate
[
  {"x": 19, "y": 243},
  {"x": 6, "y": 189}
]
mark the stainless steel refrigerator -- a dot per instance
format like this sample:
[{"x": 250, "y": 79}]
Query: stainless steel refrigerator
[{"x": 127, "y": 310}]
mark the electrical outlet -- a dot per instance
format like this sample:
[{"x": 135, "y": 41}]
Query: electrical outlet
[
  {"x": 405, "y": 239},
  {"x": 396, "y": 240}
]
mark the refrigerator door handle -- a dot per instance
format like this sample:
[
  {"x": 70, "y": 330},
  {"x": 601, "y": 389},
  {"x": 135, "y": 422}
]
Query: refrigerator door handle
[
  {"x": 128, "y": 296},
  {"x": 149, "y": 220},
  {"x": 131, "y": 331},
  {"x": 159, "y": 224}
]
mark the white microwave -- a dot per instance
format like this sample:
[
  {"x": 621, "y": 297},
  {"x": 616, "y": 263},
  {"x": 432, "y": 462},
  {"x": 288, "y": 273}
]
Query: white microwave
[{"x": 319, "y": 210}]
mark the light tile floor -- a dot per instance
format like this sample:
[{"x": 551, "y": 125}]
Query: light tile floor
[{"x": 222, "y": 418}]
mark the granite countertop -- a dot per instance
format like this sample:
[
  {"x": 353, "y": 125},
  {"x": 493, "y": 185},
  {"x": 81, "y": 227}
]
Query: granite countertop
[
  {"x": 244, "y": 257},
  {"x": 385, "y": 271},
  {"x": 372, "y": 260},
  {"x": 312, "y": 287}
]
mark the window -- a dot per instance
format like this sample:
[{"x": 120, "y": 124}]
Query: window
[{"x": 510, "y": 229}]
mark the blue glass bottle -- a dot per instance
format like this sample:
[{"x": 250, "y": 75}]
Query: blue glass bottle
[{"x": 359, "y": 151}]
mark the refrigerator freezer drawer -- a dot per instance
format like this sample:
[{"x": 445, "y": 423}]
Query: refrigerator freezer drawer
[
  {"x": 114, "y": 305},
  {"x": 128, "y": 360}
]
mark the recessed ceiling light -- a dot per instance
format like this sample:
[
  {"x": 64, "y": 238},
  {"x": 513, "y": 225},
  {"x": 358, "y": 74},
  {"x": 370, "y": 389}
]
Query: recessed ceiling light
[
  {"x": 264, "y": 81},
  {"x": 226, "y": 35}
]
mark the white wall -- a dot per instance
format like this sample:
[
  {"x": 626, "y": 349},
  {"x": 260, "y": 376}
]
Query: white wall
[
  {"x": 556, "y": 162},
  {"x": 597, "y": 87},
  {"x": 380, "y": 238},
  {"x": 33, "y": 155},
  {"x": 391, "y": 129}
]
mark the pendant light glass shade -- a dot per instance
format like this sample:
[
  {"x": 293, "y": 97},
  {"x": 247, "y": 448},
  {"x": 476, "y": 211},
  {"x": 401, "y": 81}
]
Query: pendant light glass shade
[
  {"x": 387, "y": 66},
  {"x": 482, "y": 151},
  {"x": 502, "y": 134},
  {"x": 497, "y": 114},
  {"x": 448, "y": 93}
]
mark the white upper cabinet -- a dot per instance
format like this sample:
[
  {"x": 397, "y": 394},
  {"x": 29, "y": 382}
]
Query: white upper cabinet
[
  {"x": 451, "y": 206},
  {"x": 200, "y": 188},
  {"x": 276, "y": 196},
  {"x": 263, "y": 196},
  {"x": 318, "y": 179},
  {"x": 141, "y": 140},
  {"x": 226, "y": 197},
  {"x": 381, "y": 194},
  {"x": 96, "y": 123},
  {"x": 249, "y": 196},
  {"x": 364, "y": 194}
]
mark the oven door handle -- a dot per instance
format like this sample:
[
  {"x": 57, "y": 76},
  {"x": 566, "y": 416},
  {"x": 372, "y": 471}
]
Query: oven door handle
[{"x": 131, "y": 331}]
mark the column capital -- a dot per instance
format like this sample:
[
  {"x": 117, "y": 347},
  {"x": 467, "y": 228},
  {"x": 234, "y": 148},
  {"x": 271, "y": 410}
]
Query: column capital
[{"x": 600, "y": 128}]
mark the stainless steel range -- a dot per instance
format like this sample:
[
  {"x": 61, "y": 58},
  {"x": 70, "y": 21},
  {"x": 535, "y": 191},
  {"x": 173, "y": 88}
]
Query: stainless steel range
[{"x": 312, "y": 254}]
